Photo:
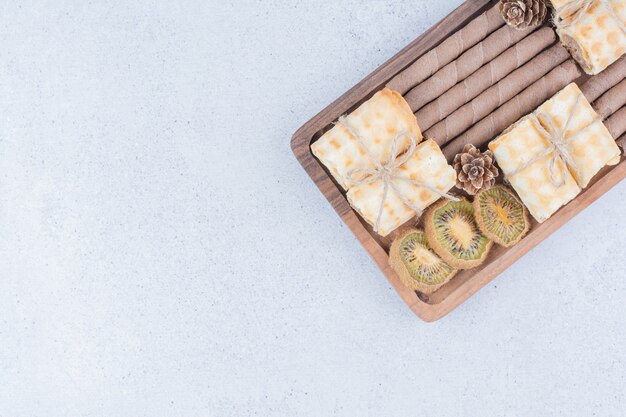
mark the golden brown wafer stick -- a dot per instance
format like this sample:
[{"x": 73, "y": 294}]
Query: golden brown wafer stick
[
  {"x": 447, "y": 51},
  {"x": 486, "y": 76},
  {"x": 617, "y": 123},
  {"x": 463, "y": 66},
  {"x": 496, "y": 95},
  {"x": 601, "y": 83},
  {"x": 520, "y": 105},
  {"x": 612, "y": 100}
]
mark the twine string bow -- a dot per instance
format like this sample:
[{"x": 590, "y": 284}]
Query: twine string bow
[
  {"x": 576, "y": 9},
  {"x": 386, "y": 173},
  {"x": 557, "y": 147}
]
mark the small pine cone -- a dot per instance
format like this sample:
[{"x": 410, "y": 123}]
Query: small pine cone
[
  {"x": 523, "y": 13},
  {"x": 474, "y": 170}
]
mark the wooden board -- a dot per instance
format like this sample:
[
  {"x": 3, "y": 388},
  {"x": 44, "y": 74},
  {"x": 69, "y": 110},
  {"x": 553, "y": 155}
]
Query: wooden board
[{"x": 465, "y": 283}]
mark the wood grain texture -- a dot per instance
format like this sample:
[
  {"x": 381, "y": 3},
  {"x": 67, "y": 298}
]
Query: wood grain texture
[{"x": 466, "y": 283}]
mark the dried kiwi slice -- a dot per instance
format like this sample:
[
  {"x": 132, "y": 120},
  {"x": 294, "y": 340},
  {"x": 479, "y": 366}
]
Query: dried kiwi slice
[
  {"x": 452, "y": 232},
  {"x": 418, "y": 267},
  {"x": 501, "y": 215}
]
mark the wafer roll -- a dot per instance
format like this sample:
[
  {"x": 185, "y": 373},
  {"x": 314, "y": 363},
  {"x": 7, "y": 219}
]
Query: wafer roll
[
  {"x": 612, "y": 100},
  {"x": 497, "y": 95},
  {"x": 486, "y": 76},
  {"x": 447, "y": 51},
  {"x": 463, "y": 66},
  {"x": 617, "y": 123},
  {"x": 511, "y": 111},
  {"x": 622, "y": 142},
  {"x": 601, "y": 83}
]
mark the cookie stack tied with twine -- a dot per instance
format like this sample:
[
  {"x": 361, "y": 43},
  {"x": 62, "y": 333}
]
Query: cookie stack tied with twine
[
  {"x": 549, "y": 155},
  {"x": 375, "y": 154},
  {"x": 594, "y": 31}
]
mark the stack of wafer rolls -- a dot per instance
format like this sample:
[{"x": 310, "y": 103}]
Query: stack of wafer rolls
[
  {"x": 616, "y": 124},
  {"x": 612, "y": 100},
  {"x": 425, "y": 66},
  {"x": 466, "y": 64},
  {"x": 596, "y": 86},
  {"x": 523, "y": 103},
  {"x": 496, "y": 95},
  {"x": 485, "y": 77},
  {"x": 607, "y": 91}
]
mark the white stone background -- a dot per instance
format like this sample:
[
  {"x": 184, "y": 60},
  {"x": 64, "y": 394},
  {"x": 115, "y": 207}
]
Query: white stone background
[{"x": 162, "y": 253}]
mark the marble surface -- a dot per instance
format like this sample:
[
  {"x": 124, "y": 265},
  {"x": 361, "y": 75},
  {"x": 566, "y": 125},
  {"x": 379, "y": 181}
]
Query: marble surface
[{"x": 163, "y": 254}]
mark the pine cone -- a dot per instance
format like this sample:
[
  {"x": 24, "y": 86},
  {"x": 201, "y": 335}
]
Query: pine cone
[
  {"x": 523, "y": 13},
  {"x": 475, "y": 170}
]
